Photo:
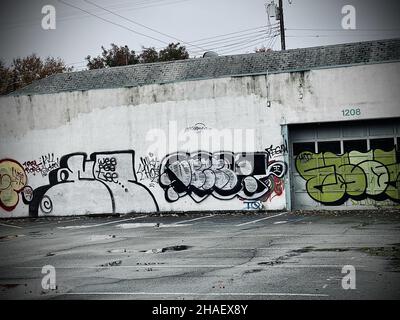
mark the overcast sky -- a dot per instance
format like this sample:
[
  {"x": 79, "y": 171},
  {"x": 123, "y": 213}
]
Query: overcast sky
[{"x": 78, "y": 34}]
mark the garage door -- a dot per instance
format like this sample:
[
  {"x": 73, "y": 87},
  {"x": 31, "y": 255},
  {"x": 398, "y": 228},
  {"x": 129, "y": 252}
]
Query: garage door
[{"x": 345, "y": 165}]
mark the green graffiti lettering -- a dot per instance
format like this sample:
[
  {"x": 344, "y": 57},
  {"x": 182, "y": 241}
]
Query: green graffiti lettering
[{"x": 332, "y": 179}]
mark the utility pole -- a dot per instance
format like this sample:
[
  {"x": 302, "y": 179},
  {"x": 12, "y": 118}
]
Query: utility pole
[{"x": 282, "y": 26}]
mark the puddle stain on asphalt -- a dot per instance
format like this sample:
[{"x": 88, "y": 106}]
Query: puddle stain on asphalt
[
  {"x": 14, "y": 236},
  {"x": 166, "y": 249},
  {"x": 10, "y": 285}
]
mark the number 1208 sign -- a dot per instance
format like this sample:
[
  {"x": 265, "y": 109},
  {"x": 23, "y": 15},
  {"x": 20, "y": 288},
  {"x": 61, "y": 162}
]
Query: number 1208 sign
[{"x": 351, "y": 112}]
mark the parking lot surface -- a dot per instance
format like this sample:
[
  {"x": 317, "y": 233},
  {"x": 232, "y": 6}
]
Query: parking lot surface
[{"x": 280, "y": 255}]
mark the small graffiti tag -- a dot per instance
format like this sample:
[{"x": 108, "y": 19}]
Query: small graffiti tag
[
  {"x": 198, "y": 127},
  {"x": 277, "y": 150},
  {"x": 149, "y": 168},
  {"x": 43, "y": 165}
]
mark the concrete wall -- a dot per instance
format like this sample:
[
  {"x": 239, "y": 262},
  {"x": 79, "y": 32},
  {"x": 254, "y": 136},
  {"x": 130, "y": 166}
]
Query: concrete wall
[{"x": 138, "y": 149}]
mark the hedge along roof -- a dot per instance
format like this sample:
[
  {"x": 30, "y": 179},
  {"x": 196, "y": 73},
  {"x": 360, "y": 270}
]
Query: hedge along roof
[{"x": 368, "y": 52}]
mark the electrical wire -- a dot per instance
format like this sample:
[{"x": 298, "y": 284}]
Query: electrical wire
[
  {"x": 238, "y": 43},
  {"x": 238, "y": 37},
  {"x": 109, "y": 21},
  {"x": 142, "y": 25},
  {"x": 235, "y": 41},
  {"x": 236, "y": 51},
  {"x": 156, "y": 5},
  {"x": 24, "y": 23},
  {"x": 236, "y": 32},
  {"x": 241, "y": 46}
]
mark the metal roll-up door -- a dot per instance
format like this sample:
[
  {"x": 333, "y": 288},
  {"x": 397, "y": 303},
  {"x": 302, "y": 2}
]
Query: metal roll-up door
[{"x": 355, "y": 164}]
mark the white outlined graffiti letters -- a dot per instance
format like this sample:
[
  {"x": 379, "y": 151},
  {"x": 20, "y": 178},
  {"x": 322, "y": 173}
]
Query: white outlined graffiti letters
[
  {"x": 224, "y": 175},
  {"x": 104, "y": 182}
]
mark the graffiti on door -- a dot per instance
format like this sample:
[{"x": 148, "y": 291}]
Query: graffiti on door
[{"x": 333, "y": 179}]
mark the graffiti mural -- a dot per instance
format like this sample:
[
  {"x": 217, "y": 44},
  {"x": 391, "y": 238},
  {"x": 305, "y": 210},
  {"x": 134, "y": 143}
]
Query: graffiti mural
[
  {"x": 12, "y": 181},
  {"x": 333, "y": 179},
  {"x": 105, "y": 182},
  {"x": 224, "y": 175},
  {"x": 43, "y": 165}
]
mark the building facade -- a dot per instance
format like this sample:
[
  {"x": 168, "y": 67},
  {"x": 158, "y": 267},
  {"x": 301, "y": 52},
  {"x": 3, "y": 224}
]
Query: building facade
[{"x": 314, "y": 128}]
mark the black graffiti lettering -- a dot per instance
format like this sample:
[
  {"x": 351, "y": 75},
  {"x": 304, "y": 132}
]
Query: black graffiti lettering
[
  {"x": 277, "y": 150},
  {"x": 106, "y": 181},
  {"x": 107, "y": 170},
  {"x": 149, "y": 168},
  {"x": 223, "y": 175}
]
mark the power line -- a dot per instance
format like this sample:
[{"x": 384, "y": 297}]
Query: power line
[
  {"x": 247, "y": 44},
  {"x": 114, "y": 23},
  {"x": 223, "y": 39},
  {"x": 223, "y": 43},
  {"x": 242, "y": 36},
  {"x": 151, "y": 5},
  {"x": 273, "y": 39},
  {"x": 137, "y": 3},
  {"x": 226, "y": 34},
  {"x": 268, "y": 44},
  {"x": 142, "y": 25},
  {"x": 155, "y": 3},
  {"x": 238, "y": 43}
]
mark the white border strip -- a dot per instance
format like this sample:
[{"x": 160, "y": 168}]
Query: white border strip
[
  {"x": 163, "y": 266},
  {"x": 202, "y": 294}
]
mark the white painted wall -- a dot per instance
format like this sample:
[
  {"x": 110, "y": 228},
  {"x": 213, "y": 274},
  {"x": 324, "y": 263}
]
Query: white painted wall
[{"x": 131, "y": 118}]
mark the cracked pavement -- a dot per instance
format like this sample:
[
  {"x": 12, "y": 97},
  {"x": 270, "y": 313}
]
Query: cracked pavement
[{"x": 250, "y": 255}]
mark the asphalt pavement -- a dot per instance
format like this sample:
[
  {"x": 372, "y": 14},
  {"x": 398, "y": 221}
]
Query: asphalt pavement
[{"x": 280, "y": 255}]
